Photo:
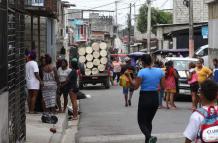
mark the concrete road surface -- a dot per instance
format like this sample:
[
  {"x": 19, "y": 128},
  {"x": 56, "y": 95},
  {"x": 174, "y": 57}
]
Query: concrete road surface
[{"x": 105, "y": 119}]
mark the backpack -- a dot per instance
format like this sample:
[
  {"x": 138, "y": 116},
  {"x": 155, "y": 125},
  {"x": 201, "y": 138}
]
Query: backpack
[
  {"x": 208, "y": 132},
  {"x": 50, "y": 119}
]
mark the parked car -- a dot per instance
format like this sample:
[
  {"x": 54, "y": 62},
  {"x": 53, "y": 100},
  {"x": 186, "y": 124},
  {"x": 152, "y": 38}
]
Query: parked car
[{"x": 182, "y": 66}]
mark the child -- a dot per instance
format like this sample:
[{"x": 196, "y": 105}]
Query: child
[
  {"x": 193, "y": 81},
  {"x": 208, "y": 94}
]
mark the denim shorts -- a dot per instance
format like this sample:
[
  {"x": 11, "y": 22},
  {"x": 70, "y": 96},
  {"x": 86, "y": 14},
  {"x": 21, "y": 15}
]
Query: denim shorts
[{"x": 126, "y": 90}]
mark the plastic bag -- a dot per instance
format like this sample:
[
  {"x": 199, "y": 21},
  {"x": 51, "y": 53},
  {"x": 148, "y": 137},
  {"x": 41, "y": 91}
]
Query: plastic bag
[{"x": 124, "y": 81}]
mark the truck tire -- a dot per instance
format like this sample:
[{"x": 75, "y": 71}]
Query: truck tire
[{"x": 107, "y": 84}]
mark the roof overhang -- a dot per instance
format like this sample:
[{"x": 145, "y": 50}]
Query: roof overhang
[
  {"x": 210, "y": 1},
  {"x": 40, "y": 11}
]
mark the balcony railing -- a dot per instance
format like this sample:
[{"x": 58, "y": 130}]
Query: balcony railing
[{"x": 42, "y": 7}]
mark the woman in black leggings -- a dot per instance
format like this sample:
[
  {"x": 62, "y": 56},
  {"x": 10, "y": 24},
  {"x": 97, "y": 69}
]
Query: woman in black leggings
[{"x": 149, "y": 78}]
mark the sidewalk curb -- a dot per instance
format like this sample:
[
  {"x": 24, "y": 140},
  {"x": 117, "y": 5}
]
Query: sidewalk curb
[
  {"x": 58, "y": 137},
  {"x": 70, "y": 129}
]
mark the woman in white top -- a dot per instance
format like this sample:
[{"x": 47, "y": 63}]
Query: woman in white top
[
  {"x": 32, "y": 80},
  {"x": 63, "y": 73}
]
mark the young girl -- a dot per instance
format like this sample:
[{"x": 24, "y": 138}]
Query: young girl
[
  {"x": 170, "y": 85},
  {"x": 193, "y": 81}
]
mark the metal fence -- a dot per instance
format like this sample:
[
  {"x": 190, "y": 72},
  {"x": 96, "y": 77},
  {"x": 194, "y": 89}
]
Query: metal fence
[
  {"x": 3, "y": 45},
  {"x": 16, "y": 75}
]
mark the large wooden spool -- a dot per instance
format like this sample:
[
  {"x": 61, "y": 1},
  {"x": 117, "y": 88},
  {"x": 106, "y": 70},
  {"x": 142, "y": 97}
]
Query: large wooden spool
[
  {"x": 104, "y": 60},
  {"x": 95, "y": 71},
  {"x": 95, "y": 46},
  {"x": 89, "y": 50},
  {"x": 82, "y": 59},
  {"x": 101, "y": 68},
  {"x": 103, "y": 46},
  {"x": 89, "y": 57},
  {"x": 88, "y": 72},
  {"x": 89, "y": 65},
  {"x": 103, "y": 53},
  {"x": 96, "y": 62},
  {"x": 82, "y": 51}
]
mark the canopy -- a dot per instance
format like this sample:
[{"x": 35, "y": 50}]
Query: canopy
[{"x": 136, "y": 54}]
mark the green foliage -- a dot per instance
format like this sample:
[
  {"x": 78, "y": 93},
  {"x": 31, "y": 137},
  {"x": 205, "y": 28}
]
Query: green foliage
[
  {"x": 157, "y": 17},
  {"x": 165, "y": 18}
]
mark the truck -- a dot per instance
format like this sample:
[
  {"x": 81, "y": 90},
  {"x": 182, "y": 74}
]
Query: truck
[{"x": 94, "y": 67}]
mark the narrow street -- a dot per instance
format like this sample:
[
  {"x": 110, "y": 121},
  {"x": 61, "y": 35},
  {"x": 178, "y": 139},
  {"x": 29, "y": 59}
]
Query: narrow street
[{"x": 104, "y": 118}]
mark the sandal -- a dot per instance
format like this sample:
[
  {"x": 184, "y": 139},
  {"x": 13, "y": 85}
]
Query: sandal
[{"x": 75, "y": 118}]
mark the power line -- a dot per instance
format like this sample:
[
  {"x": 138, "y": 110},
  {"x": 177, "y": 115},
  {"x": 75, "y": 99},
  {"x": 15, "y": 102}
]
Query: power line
[
  {"x": 129, "y": 7},
  {"x": 102, "y": 5}
]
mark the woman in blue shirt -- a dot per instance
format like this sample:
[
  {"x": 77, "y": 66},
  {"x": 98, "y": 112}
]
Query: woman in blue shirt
[{"x": 149, "y": 78}]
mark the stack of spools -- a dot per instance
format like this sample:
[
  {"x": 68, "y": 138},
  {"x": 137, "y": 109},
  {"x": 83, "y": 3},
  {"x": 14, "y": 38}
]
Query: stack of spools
[{"x": 94, "y": 58}]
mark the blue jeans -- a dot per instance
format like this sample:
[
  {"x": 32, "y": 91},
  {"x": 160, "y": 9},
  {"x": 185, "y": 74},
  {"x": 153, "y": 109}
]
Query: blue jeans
[{"x": 161, "y": 95}]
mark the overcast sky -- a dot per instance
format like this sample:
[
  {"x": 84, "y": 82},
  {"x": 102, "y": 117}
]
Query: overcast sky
[{"x": 123, "y": 9}]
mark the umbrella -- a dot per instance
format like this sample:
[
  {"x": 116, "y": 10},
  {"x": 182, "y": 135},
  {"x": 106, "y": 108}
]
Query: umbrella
[{"x": 136, "y": 54}]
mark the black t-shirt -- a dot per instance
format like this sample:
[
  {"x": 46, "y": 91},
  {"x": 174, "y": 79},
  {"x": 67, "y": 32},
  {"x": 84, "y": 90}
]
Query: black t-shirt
[{"x": 72, "y": 84}]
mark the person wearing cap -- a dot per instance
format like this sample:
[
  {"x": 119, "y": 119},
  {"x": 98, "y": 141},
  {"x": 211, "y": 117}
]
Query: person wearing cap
[
  {"x": 128, "y": 91},
  {"x": 33, "y": 80},
  {"x": 72, "y": 87}
]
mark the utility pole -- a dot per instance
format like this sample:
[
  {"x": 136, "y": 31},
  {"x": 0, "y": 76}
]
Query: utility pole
[
  {"x": 129, "y": 26},
  {"x": 134, "y": 13},
  {"x": 116, "y": 2},
  {"x": 149, "y": 27},
  {"x": 191, "y": 29}
]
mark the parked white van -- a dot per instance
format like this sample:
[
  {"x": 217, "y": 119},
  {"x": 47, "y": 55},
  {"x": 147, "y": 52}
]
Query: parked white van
[{"x": 202, "y": 52}]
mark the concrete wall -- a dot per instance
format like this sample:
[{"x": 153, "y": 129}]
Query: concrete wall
[
  {"x": 181, "y": 13},
  {"x": 213, "y": 31},
  {"x": 51, "y": 38},
  {"x": 4, "y": 117}
]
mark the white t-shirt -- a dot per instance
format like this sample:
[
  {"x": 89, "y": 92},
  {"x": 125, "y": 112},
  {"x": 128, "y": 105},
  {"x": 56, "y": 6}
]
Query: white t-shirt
[
  {"x": 194, "y": 124},
  {"x": 63, "y": 74},
  {"x": 31, "y": 80}
]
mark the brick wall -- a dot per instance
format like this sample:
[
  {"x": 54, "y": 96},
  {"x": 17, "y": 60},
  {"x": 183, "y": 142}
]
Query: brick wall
[{"x": 181, "y": 13}]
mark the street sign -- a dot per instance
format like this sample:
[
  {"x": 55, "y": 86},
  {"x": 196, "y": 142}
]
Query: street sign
[{"x": 204, "y": 31}]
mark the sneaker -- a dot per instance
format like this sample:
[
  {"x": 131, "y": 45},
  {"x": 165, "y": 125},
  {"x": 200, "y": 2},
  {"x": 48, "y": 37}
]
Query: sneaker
[{"x": 152, "y": 139}]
